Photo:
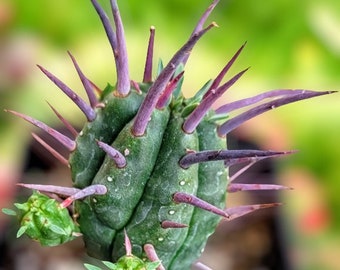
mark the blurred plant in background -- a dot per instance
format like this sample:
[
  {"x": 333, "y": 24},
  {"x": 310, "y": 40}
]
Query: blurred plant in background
[{"x": 293, "y": 44}]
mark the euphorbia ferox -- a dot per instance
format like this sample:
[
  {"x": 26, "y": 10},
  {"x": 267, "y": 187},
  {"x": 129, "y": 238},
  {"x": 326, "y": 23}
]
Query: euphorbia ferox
[{"x": 150, "y": 162}]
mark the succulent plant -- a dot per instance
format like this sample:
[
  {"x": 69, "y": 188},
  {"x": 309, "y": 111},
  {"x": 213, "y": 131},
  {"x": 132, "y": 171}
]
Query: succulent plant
[
  {"x": 129, "y": 261},
  {"x": 150, "y": 163}
]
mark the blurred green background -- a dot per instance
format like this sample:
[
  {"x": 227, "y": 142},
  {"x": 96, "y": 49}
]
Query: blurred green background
[{"x": 291, "y": 44}]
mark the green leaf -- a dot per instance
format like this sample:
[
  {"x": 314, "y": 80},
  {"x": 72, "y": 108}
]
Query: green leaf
[
  {"x": 91, "y": 267},
  {"x": 152, "y": 265},
  {"x": 22, "y": 206},
  {"x": 110, "y": 265},
  {"x": 218, "y": 118},
  {"x": 177, "y": 92},
  {"x": 21, "y": 231},
  {"x": 188, "y": 109},
  {"x": 57, "y": 229},
  {"x": 8, "y": 212},
  {"x": 199, "y": 95},
  {"x": 108, "y": 90},
  {"x": 160, "y": 67}
]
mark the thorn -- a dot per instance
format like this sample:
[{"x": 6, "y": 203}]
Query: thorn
[
  {"x": 164, "y": 98},
  {"x": 252, "y": 160},
  {"x": 121, "y": 56},
  {"x": 88, "y": 191},
  {"x": 234, "y": 161},
  {"x": 167, "y": 224},
  {"x": 88, "y": 86},
  {"x": 117, "y": 42},
  {"x": 54, "y": 153},
  {"x": 128, "y": 246},
  {"x": 156, "y": 90},
  {"x": 69, "y": 127},
  {"x": 204, "y": 17},
  {"x": 221, "y": 75},
  {"x": 65, "y": 191},
  {"x": 232, "y": 106},
  {"x": 95, "y": 88},
  {"x": 114, "y": 154},
  {"x": 250, "y": 187},
  {"x": 239, "y": 211},
  {"x": 190, "y": 151},
  {"x": 107, "y": 26},
  {"x": 242, "y": 170},
  {"x": 233, "y": 123},
  {"x": 152, "y": 255},
  {"x": 82, "y": 105},
  {"x": 215, "y": 155},
  {"x": 200, "y": 266},
  {"x": 181, "y": 197},
  {"x": 100, "y": 105},
  {"x": 198, "y": 113},
  {"x": 149, "y": 57},
  {"x": 135, "y": 85},
  {"x": 67, "y": 142},
  {"x": 200, "y": 24}
]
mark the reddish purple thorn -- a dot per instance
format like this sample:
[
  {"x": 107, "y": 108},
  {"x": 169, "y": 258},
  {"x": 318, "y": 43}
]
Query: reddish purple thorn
[
  {"x": 181, "y": 197},
  {"x": 54, "y": 153},
  {"x": 167, "y": 224},
  {"x": 82, "y": 105},
  {"x": 150, "y": 252},
  {"x": 88, "y": 191},
  {"x": 67, "y": 142},
  {"x": 149, "y": 57},
  {"x": 113, "y": 153}
]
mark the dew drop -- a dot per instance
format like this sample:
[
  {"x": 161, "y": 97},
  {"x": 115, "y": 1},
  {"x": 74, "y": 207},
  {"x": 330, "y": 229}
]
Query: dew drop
[
  {"x": 109, "y": 178},
  {"x": 171, "y": 212},
  {"x": 182, "y": 183},
  {"x": 94, "y": 200},
  {"x": 126, "y": 152},
  {"x": 160, "y": 239}
]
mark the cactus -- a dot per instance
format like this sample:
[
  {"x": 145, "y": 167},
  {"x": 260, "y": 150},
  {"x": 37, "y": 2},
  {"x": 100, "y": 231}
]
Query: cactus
[{"x": 149, "y": 163}]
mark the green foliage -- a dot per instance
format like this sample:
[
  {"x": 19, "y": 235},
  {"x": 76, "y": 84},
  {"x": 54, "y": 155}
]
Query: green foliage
[
  {"x": 42, "y": 219},
  {"x": 127, "y": 262}
]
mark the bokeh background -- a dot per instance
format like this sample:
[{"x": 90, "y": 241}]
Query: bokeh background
[{"x": 290, "y": 44}]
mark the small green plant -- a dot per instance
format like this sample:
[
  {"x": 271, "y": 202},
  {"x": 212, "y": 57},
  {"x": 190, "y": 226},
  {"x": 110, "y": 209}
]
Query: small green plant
[
  {"x": 129, "y": 261},
  {"x": 148, "y": 163},
  {"x": 45, "y": 220}
]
